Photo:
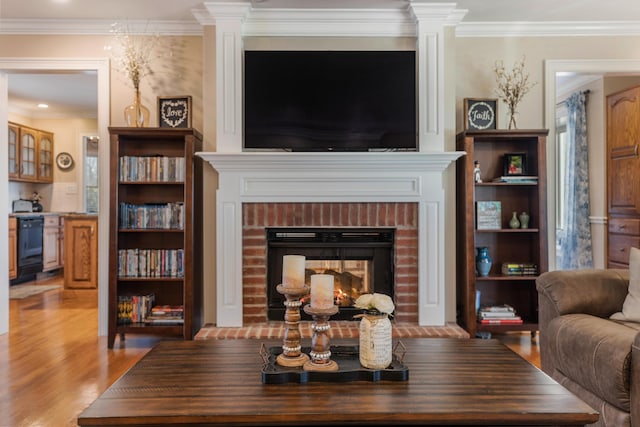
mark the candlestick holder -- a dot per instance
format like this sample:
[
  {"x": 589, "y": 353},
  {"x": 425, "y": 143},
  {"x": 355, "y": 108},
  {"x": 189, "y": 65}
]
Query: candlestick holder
[
  {"x": 320, "y": 353},
  {"x": 291, "y": 349}
]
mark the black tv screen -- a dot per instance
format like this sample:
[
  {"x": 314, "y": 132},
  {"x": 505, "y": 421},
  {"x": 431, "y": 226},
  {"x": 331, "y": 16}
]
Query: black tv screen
[{"x": 330, "y": 100}]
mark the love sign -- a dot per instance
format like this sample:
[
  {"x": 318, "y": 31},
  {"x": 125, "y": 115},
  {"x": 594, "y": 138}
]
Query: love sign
[{"x": 174, "y": 112}]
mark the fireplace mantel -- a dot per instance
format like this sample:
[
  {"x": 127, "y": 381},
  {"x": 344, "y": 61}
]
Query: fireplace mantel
[{"x": 331, "y": 177}]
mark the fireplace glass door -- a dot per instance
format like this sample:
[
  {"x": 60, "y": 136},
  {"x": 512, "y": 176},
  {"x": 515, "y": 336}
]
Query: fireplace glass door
[{"x": 360, "y": 260}]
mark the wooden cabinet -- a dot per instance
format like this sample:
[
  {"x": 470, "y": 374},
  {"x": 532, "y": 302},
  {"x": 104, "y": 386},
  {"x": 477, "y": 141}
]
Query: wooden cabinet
[
  {"x": 13, "y": 248},
  {"x": 52, "y": 252},
  {"x": 45, "y": 156},
  {"x": 14, "y": 148},
  {"x": 155, "y": 230},
  {"x": 505, "y": 244},
  {"x": 30, "y": 154},
  {"x": 623, "y": 175},
  {"x": 81, "y": 251}
]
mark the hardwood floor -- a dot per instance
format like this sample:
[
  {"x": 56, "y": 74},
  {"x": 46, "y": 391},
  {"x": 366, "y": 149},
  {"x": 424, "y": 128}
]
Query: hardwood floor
[{"x": 53, "y": 364}]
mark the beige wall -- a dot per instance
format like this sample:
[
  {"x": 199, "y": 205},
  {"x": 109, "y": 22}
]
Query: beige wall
[{"x": 184, "y": 74}]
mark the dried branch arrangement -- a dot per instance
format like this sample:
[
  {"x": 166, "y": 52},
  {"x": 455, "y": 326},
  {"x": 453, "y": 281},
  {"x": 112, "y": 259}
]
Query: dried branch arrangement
[{"x": 512, "y": 86}]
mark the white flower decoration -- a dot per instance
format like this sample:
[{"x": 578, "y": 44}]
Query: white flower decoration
[{"x": 380, "y": 302}]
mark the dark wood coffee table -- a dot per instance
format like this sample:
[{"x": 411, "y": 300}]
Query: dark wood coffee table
[{"x": 451, "y": 382}]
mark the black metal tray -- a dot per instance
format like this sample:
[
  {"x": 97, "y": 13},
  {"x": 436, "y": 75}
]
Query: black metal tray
[{"x": 349, "y": 368}]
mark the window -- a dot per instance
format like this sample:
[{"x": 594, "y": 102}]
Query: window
[
  {"x": 91, "y": 173},
  {"x": 561, "y": 165}
]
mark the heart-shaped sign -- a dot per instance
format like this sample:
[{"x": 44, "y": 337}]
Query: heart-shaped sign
[{"x": 174, "y": 113}]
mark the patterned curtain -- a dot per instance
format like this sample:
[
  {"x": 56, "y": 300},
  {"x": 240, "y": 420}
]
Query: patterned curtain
[{"x": 575, "y": 242}]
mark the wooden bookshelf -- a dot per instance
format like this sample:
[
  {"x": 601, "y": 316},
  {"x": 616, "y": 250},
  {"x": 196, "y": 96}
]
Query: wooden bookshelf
[
  {"x": 506, "y": 245},
  {"x": 155, "y": 240}
]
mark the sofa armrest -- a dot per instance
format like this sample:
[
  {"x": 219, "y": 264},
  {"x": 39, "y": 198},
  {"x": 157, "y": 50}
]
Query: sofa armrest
[{"x": 596, "y": 292}]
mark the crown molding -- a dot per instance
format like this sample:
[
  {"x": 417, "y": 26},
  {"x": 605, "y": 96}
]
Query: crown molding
[
  {"x": 548, "y": 29},
  {"x": 95, "y": 27},
  {"x": 392, "y": 22},
  {"x": 318, "y": 22}
]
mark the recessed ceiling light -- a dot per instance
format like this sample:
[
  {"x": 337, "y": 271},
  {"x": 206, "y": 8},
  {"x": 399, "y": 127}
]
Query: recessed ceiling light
[{"x": 43, "y": 106}]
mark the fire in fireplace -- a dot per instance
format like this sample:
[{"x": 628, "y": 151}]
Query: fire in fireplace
[{"x": 360, "y": 259}]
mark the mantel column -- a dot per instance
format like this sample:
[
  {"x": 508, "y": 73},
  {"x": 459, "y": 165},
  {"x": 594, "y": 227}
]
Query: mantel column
[{"x": 228, "y": 19}]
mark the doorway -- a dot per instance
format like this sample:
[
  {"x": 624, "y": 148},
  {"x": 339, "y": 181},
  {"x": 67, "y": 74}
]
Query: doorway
[
  {"x": 579, "y": 69},
  {"x": 101, "y": 66}
]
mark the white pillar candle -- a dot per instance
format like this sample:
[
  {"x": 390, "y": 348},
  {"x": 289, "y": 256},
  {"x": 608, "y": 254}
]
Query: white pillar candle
[
  {"x": 293, "y": 271},
  {"x": 322, "y": 291}
]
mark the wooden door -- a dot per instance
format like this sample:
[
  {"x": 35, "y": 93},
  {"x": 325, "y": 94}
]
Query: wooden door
[
  {"x": 623, "y": 175},
  {"x": 623, "y": 137}
]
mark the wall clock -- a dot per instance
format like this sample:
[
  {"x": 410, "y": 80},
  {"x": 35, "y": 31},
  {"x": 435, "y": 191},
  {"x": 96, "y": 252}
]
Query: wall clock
[{"x": 64, "y": 161}]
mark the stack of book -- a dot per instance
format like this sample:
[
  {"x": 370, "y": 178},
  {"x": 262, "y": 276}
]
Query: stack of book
[
  {"x": 517, "y": 179},
  {"x": 166, "y": 314},
  {"x": 519, "y": 269},
  {"x": 498, "y": 315}
]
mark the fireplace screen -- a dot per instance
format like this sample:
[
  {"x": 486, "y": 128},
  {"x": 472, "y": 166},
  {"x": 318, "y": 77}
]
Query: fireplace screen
[{"x": 360, "y": 260}]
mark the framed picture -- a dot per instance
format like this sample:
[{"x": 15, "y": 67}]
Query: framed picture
[
  {"x": 480, "y": 114},
  {"x": 515, "y": 164},
  {"x": 174, "y": 111},
  {"x": 488, "y": 215}
]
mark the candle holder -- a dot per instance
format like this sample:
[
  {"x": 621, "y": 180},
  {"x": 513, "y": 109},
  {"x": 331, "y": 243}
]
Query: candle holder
[
  {"x": 320, "y": 353},
  {"x": 291, "y": 349}
]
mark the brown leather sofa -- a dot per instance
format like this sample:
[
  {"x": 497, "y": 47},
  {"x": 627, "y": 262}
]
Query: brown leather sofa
[{"x": 596, "y": 358}]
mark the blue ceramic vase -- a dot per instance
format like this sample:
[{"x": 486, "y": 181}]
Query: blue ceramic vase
[{"x": 483, "y": 261}]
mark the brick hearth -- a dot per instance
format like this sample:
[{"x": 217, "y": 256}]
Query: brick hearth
[
  {"x": 339, "y": 329},
  {"x": 258, "y": 216}
]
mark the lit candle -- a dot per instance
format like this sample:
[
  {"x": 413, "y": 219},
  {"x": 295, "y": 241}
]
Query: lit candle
[
  {"x": 321, "y": 291},
  {"x": 293, "y": 271}
]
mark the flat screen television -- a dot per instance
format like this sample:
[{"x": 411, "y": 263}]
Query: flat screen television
[{"x": 330, "y": 100}]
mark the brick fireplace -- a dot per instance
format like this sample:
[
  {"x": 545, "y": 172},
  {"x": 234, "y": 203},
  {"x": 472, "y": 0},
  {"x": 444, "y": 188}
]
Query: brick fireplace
[
  {"x": 256, "y": 217},
  {"x": 394, "y": 189},
  {"x": 298, "y": 185}
]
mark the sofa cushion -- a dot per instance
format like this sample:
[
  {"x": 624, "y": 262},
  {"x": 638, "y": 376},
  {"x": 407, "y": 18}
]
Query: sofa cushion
[
  {"x": 631, "y": 308},
  {"x": 595, "y": 353}
]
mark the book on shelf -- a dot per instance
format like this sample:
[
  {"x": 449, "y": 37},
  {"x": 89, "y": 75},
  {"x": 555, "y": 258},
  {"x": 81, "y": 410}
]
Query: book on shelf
[
  {"x": 521, "y": 179},
  {"x": 519, "y": 269},
  {"x": 488, "y": 215},
  {"x": 497, "y": 314},
  {"x": 498, "y": 308},
  {"x": 513, "y": 321}
]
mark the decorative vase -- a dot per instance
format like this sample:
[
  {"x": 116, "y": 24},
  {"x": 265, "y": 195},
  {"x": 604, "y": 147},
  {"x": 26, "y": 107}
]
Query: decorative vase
[
  {"x": 483, "y": 261},
  {"x": 514, "y": 223},
  {"x": 524, "y": 220},
  {"x": 136, "y": 114},
  {"x": 512, "y": 119},
  {"x": 376, "y": 350}
]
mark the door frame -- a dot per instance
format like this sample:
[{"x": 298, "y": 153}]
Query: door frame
[
  {"x": 102, "y": 67},
  {"x": 551, "y": 67}
]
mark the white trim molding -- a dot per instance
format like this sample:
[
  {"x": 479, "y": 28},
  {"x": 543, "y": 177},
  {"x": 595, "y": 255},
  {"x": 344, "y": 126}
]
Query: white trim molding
[{"x": 332, "y": 178}]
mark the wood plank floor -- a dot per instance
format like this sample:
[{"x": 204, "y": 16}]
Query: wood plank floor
[{"x": 53, "y": 364}]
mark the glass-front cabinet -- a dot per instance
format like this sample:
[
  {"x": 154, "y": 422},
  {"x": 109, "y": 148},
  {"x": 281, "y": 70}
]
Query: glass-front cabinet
[
  {"x": 28, "y": 159},
  {"x": 14, "y": 134},
  {"x": 30, "y": 154},
  {"x": 45, "y": 157}
]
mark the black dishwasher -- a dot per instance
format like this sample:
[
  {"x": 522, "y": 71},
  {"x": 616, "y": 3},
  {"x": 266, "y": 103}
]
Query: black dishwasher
[{"x": 30, "y": 230}]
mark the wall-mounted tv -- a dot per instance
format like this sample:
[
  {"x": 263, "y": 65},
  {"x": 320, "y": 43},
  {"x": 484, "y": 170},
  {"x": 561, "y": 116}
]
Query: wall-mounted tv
[{"x": 330, "y": 100}]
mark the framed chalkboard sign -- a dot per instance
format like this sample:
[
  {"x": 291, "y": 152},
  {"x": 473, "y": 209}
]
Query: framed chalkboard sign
[
  {"x": 174, "y": 111},
  {"x": 480, "y": 114}
]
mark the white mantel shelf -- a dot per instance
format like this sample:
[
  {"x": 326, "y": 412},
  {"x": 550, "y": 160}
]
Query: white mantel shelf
[{"x": 276, "y": 177}]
